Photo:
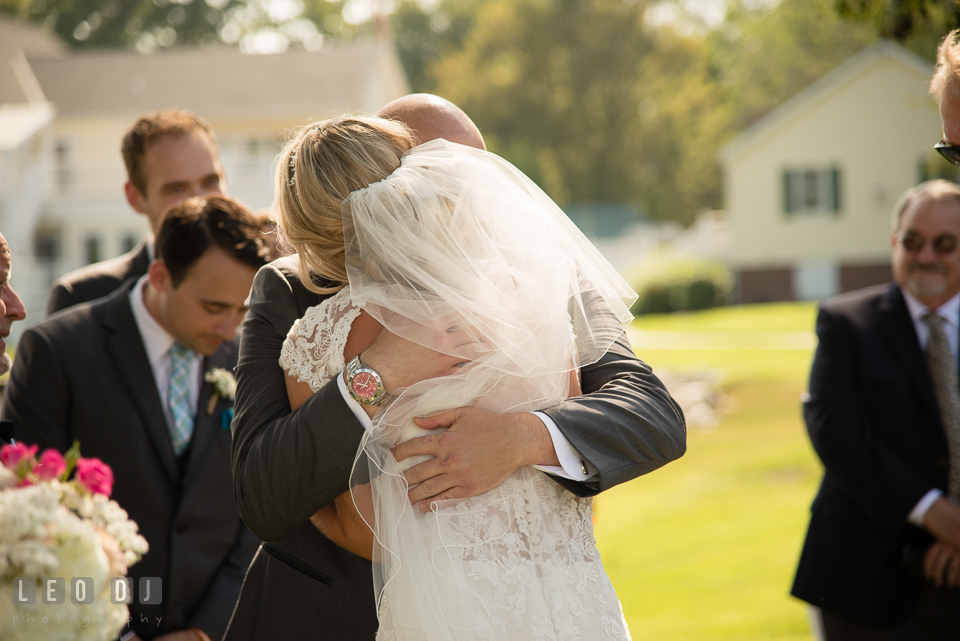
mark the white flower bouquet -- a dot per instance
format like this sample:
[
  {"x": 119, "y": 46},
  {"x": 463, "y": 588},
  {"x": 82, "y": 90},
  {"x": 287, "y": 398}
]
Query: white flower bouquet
[{"x": 54, "y": 527}]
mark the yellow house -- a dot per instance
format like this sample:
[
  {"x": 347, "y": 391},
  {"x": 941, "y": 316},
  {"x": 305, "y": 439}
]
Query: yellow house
[{"x": 810, "y": 188}]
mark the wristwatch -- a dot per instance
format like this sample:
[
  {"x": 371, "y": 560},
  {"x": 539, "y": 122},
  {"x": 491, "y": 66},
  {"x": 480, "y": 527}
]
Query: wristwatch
[{"x": 364, "y": 383}]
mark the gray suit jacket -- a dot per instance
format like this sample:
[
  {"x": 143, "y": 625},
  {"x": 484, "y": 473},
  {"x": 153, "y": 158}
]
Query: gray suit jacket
[
  {"x": 98, "y": 280},
  {"x": 84, "y": 374},
  {"x": 287, "y": 465}
]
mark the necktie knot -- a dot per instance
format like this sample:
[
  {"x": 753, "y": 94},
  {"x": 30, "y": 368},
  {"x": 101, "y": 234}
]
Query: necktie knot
[{"x": 179, "y": 353}]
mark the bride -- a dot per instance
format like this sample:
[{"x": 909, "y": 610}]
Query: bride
[{"x": 456, "y": 250}]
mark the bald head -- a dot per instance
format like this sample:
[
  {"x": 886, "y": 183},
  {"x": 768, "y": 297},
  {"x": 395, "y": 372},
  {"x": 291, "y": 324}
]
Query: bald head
[{"x": 431, "y": 117}]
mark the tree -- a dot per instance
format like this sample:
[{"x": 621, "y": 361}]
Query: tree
[
  {"x": 916, "y": 24},
  {"x": 552, "y": 84},
  {"x": 763, "y": 57},
  {"x": 423, "y": 36},
  {"x": 145, "y": 25}
]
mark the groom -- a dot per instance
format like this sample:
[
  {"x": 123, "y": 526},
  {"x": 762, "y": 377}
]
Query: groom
[
  {"x": 125, "y": 376},
  {"x": 287, "y": 465}
]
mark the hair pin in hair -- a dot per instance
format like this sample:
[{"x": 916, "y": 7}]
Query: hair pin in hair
[{"x": 292, "y": 174}]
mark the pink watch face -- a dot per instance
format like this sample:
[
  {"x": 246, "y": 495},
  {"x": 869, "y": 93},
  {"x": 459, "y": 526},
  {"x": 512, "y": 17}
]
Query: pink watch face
[{"x": 364, "y": 385}]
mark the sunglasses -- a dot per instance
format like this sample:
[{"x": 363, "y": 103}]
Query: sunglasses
[
  {"x": 949, "y": 151},
  {"x": 942, "y": 245}
]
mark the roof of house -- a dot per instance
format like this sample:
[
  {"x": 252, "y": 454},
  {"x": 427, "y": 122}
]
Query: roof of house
[
  {"x": 33, "y": 39},
  {"x": 224, "y": 83},
  {"x": 18, "y": 42},
  {"x": 820, "y": 91}
]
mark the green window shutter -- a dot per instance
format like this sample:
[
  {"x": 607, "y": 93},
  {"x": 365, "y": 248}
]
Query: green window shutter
[
  {"x": 787, "y": 195},
  {"x": 835, "y": 189}
]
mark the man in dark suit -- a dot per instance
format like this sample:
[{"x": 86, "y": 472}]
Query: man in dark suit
[
  {"x": 127, "y": 376},
  {"x": 169, "y": 155},
  {"x": 882, "y": 555},
  {"x": 287, "y": 465}
]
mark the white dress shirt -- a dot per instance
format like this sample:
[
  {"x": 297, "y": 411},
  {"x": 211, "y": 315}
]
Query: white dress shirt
[
  {"x": 157, "y": 342},
  {"x": 950, "y": 313},
  {"x": 572, "y": 465}
]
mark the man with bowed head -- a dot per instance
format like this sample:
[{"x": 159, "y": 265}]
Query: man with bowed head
[
  {"x": 169, "y": 155},
  {"x": 133, "y": 377},
  {"x": 882, "y": 554},
  {"x": 289, "y": 465}
]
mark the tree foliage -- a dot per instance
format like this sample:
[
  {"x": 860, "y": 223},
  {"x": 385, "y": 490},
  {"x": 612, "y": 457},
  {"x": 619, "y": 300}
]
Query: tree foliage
[
  {"x": 551, "y": 84},
  {"x": 597, "y": 102},
  {"x": 763, "y": 57},
  {"x": 265, "y": 26},
  {"x": 916, "y": 24}
]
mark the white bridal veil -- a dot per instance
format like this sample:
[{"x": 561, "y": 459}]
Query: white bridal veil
[{"x": 458, "y": 241}]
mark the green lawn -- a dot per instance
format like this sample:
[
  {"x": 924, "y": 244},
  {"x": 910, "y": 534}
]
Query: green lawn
[{"x": 705, "y": 548}]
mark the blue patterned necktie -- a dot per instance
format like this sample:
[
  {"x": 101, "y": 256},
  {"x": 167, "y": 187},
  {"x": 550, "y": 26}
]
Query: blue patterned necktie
[
  {"x": 943, "y": 371},
  {"x": 178, "y": 398}
]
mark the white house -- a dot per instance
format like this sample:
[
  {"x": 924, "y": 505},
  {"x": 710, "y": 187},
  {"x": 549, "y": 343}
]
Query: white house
[
  {"x": 63, "y": 114},
  {"x": 810, "y": 188}
]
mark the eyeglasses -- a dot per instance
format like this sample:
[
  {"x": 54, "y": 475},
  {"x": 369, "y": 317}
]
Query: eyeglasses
[
  {"x": 942, "y": 245},
  {"x": 949, "y": 151}
]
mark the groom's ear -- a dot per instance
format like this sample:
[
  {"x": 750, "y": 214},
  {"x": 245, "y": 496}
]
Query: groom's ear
[{"x": 159, "y": 276}]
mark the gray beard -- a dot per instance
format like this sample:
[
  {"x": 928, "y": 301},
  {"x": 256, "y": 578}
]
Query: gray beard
[{"x": 5, "y": 364}]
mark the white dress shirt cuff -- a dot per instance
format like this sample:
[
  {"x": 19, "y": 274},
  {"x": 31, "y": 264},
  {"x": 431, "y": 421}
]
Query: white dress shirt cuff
[
  {"x": 354, "y": 406},
  {"x": 572, "y": 465},
  {"x": 919, "y": 511}
]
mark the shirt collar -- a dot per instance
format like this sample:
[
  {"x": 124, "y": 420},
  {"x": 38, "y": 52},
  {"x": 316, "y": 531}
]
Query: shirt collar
[
  {"x": 156, "y": 339},
  {"x": 949, "y": 311}
]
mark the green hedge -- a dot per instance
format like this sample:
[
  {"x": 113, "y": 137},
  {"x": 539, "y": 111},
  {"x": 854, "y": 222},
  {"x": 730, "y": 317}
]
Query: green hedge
[{"x": 670, "y": 283}]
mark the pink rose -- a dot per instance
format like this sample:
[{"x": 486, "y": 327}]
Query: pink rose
[
  {"x": 11, "y": 455},
  {"x": 95, "y": 476},
  {"x": 52, "y": 464}
]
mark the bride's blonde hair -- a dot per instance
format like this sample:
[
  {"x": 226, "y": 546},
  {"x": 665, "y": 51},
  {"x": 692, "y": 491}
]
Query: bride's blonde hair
[{"x": 316, "y": 172}]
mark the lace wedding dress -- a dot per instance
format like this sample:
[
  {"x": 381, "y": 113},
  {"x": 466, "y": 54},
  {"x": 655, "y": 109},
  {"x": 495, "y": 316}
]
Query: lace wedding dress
[{"x": 459, "y": 239}]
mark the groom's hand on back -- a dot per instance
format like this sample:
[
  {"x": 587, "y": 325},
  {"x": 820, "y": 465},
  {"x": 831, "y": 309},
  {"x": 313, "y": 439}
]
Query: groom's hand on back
[
  {"x": 477, "y": 453},
  {"x": 480, "y": 449}
]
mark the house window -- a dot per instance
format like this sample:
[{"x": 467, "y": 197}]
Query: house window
[
  {"x": 46, "y": 245},
  {"x": 812, "y": 190},
  {"x": 93, "y": 248},
  {"x": 128, "y": 242},
  {"x": 62, "y": 166}
]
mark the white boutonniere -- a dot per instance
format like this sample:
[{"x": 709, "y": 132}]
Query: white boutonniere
[{"x": 224, "y": 386}]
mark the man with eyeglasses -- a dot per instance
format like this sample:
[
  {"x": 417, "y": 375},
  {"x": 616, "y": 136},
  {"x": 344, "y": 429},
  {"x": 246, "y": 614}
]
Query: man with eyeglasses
[{"x": 882, "y": 554}]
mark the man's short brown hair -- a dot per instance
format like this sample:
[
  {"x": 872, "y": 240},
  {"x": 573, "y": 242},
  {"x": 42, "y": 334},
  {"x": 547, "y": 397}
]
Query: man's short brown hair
[
  {"x": 191, "y": 227},
  {"x": 148, "y": 128}
]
